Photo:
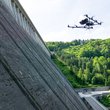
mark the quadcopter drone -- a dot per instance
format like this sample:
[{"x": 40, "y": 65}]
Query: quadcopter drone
[{"x": 87, "y": 23}]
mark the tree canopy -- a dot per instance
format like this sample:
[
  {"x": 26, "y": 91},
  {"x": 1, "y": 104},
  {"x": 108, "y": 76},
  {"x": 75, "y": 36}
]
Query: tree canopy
[{"x": 88, "y": 60}]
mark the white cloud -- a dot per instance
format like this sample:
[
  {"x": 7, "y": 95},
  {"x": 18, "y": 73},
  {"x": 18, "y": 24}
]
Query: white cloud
[
  {"x": 58, "y": 36},
  {"x": 51, "y": 18}
]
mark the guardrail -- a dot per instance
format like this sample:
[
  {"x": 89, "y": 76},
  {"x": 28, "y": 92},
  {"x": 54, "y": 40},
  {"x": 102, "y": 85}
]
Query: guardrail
[
  {"x": 24, "y": 21},
  {"x": 93, "y": 89}
]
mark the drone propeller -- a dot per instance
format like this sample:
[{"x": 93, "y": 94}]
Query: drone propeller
[{"x": 86, "y": 15}]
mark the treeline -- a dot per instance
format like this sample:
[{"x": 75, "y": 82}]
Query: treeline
[{"x": 88, "y": 60}]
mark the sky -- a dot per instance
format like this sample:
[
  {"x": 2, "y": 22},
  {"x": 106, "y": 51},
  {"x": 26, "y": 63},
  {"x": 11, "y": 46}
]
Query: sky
[{"x": 51, "y": 17}]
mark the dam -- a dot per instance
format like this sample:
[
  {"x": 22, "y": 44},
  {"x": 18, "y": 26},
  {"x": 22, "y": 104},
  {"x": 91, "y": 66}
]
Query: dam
[{"x": 29, "y": 80}]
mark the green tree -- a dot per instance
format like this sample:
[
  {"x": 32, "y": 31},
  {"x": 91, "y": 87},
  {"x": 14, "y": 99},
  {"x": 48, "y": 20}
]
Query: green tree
[
  {"x": 87, "y": 75},
  {"x": 108, "y": 82},
  {"x": 98, "y": 79}
]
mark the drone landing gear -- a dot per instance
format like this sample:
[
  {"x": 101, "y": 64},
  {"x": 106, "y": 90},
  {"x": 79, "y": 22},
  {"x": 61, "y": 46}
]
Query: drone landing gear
[{"x": 86, "y": 27}]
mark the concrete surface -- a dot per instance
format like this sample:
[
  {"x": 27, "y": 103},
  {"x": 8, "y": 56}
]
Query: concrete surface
[{"x": 29, "y": 80}]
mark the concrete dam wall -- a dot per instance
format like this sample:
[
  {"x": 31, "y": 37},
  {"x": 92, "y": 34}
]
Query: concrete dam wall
[{"x": 29, "y": 80}]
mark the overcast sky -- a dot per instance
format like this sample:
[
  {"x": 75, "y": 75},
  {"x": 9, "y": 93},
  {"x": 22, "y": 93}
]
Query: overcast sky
[{"x": 51, "y": 18}]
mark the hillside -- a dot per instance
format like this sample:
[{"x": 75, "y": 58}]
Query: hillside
[{"x": 87, "y": 61}]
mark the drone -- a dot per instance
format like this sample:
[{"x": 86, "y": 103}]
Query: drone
[{"x": 87, "y": 23}]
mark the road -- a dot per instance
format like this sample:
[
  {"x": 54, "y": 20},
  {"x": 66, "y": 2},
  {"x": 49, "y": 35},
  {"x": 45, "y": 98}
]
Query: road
[{"x": 89, "y": 97}]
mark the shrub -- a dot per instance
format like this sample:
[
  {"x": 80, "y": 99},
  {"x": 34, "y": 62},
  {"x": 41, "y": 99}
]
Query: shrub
[{"x": 98, "y": 79}]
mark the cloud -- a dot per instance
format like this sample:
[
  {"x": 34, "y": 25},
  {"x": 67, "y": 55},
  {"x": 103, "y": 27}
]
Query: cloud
[
  {"x": 57, "y": 36},
  {"x": 51, "y": 18},
  {"x": 40, "y": 5}
]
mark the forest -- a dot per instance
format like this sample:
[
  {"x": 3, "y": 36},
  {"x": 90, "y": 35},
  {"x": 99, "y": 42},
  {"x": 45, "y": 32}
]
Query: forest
[{"x": 85, "y": 63}]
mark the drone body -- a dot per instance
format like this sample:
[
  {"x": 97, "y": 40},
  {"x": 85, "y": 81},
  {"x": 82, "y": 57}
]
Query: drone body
[{"x": 87, "y": 23}]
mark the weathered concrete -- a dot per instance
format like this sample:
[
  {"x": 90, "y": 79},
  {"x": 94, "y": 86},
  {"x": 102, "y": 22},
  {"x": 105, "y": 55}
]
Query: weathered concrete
[
  {"x": 29, "y": 80},
  {"x": 22, "y": 19}
]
